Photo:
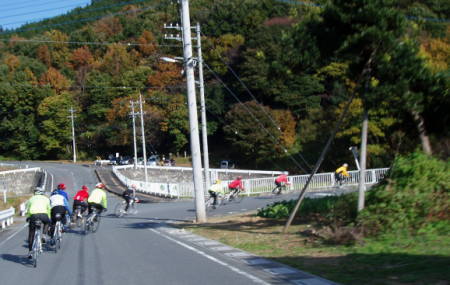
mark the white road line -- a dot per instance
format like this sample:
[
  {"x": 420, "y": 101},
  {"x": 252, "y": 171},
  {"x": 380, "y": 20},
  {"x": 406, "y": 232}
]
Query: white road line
[
  {"x": 11, "y": 236},
  {"x": 53, "y": 178},
  {"x": 232, "y": 268}
]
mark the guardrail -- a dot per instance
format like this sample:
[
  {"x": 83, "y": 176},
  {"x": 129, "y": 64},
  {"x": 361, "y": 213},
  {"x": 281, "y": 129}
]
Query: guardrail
[
  {"x": 320, "y": 182},
  {"x": 7, "y": 217}
]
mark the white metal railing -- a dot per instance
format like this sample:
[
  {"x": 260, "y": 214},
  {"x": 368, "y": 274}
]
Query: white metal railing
[
  {"x": 320, "y": 182},
  {"x": 34, "y": 169},
  {"x": 7, "y": 217}
]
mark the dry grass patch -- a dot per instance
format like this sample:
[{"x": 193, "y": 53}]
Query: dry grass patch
[{"x": 391, "y": 260}]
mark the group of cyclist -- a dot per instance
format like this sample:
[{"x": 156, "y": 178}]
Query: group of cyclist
[
  {"x": 56, "y": 207},
  {"x": 281, "y": 182}
]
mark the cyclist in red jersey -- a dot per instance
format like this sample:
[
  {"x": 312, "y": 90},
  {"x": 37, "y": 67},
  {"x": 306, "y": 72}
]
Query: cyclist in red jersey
[{"x": 80, "y": 199}]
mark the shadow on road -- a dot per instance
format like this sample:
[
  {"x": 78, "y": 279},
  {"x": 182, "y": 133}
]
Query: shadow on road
[{"x": 20, "y": 259}]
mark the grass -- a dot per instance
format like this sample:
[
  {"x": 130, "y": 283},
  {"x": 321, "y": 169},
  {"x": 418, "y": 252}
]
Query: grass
[
  {"x": 388, "y": 260},
  {"x": 12, "y": 201}
]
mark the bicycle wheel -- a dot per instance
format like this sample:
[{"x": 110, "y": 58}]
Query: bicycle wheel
[
  {"x": 58, "y": 235},
  {"x": 209, "y": 204},
  {"x": 86, "y": 227},
  {"x": 95, "y": 223},
  {"x": 237, "y": 197},
  {"x": 119, "y": 210},
  {"x": 35, "y": 249},
  {"x": 133, "y": 209}
]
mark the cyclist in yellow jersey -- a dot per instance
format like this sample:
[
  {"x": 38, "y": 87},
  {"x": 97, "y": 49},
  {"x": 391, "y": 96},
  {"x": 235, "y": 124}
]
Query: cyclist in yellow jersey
[
  {"x": 341, "y": 173},
  {"x": 37, "y": 208},
  {"x": 216, "y": 189},
  {"x": 97, "y": 198}
]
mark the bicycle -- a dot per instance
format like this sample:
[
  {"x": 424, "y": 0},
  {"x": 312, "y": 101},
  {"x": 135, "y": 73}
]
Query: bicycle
[
  {"x": 57, "y": 233},
  {"x": 92, "y": 221},
  {"x": 77, "y": 216},
  {"x": 119, "y": 210},
  {"x": 278, "y": 189},
  {"x": 233, "y": 196},
  {"x": 37, "y": 242},
  {"x": 209, "y": 202}
]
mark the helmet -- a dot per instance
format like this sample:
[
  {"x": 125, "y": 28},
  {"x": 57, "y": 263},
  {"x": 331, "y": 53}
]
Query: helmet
[
  {"x": 133, "y": 186},
  {"x": 100, "y": 185},
  {"x": 39, "y": 191},
  {"x": 218, "y": 181},
  {"x": 84, "y": 187},
  {"x": 345, "y": 165},
  {"x": 61, "y": 186},
  {"x": 239, "y": 177}
]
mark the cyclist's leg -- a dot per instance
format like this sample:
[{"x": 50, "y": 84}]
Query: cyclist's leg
[
  {"x": 31, "y": 231},
  {"x": 127, "y": 203}
]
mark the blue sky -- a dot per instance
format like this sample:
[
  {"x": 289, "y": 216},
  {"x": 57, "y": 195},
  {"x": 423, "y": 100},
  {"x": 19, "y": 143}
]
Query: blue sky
[{"x": 14, "y": 13}]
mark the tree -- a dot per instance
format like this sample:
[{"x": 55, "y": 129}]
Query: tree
[
  {"x": 252, "y": 135},
  {"x": 55, "y": 80},
  {"x": 55, "y": 126}
]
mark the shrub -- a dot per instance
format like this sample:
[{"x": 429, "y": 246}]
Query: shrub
[{"x": 415, "y": 197}]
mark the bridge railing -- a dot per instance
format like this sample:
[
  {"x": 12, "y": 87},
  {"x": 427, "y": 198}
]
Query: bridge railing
[{"x": 320, "y": 182}]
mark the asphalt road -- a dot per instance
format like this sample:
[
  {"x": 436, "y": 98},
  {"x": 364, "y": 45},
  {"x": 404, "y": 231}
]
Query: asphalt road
[{"x": 130, "y": 250}]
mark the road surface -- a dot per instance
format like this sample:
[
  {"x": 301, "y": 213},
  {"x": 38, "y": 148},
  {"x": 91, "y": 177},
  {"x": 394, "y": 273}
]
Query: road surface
[{"x": 139, "y": 249}]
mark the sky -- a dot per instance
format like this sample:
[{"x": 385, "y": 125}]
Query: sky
[{"x": 15, "y": 13}]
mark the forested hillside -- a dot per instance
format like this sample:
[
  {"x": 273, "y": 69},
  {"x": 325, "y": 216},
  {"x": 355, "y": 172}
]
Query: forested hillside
[{"x": 278, "y": 75}]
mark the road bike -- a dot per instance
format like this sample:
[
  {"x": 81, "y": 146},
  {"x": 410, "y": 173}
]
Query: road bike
[
  {"x": 92, "y": 221},
  {"x": 278, "y": 189},
  {"x": 119, "y": 210},
  {"x": 209, "y": 202},
  {"x": 235, "y": 195},
  {"x": 57, "y": 233},
  {"x": 37, "y": 242},
  {"x": 77, "y": 216}
]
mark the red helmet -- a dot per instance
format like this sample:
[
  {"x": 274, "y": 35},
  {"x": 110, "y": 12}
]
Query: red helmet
[
  {"x": 100, "y": 185},
  {"x": 84, "y": 187},
  {"x": 62, "y": 186}
]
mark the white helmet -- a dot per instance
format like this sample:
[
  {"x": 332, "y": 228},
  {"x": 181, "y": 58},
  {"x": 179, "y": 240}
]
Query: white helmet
[
  {"x": 39, "y": 191},
  {"x": 345, "y": 165}
]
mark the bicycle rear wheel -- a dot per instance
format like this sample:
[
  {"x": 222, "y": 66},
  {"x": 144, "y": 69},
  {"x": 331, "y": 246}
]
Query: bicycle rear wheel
[
  {"x": 209, "y": 204},
  {"x": 95, "y": 223},
  {"x": 36, "y": 246},
  {"x": 119, "y": 210},
  {"x": 133, "y": 209}
]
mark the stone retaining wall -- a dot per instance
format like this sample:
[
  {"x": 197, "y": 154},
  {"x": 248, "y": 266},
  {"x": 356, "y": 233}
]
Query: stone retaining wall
[{"x": 21, "y": 183}]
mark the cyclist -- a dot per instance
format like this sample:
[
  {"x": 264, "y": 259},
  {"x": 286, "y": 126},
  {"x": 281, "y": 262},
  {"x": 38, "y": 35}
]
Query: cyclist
[
  {"x": 37, "y": 208},
  {"x": 341, "y": 173},
  {"x": 236, "y": 185},
  {"x": 215, "y": 189},
  {"x": 97, "y": 199},
  {"x": 80, "y": 199},
  {"x": 60, "y": 189},
  {"x": 59, "y": 205},
  {"x": 280, "y": 182},
  {"x": 129, "y": 195}
]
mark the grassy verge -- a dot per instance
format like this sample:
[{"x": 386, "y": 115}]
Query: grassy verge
[
  {"x": 12, "y": 201},
  {"x": 390, "y": 260}
]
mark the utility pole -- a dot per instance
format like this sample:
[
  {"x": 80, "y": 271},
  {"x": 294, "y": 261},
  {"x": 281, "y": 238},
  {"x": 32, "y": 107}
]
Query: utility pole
[
  {"x": 202, "y": 107},
  {"x": 71, "y": 110},
  {"x": 201, "y": 84},
  {"x": 192, "y": 102},
  {"x": 362, "y": 160},
  {"x": 133, "y": 115},
  {"x": 143, "y": 137}
]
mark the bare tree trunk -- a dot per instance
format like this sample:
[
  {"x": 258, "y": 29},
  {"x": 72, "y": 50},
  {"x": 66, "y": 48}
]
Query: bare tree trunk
[{"x": 424, "y": 138}]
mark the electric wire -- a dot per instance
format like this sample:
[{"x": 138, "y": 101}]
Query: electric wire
[
  {"x": 251, "y": 114},
  {"x": 261, "y": 107},
  {"x": 20, "y": 30},
  {"x": 84, "y": 43},
  {"x": 79, "y": 12}
]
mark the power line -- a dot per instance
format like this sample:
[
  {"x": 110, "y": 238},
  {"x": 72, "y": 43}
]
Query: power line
[
  {"x": 38, "y": 11},
  {"x": 27, "y": 6},
  {"x": 77, "y": 21},
  {"x": 83, "y": 11},
  {"x": 85, "y": 43},
  {"x": 261, "y": 107},
  {"x": 252, "y": 115}
]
